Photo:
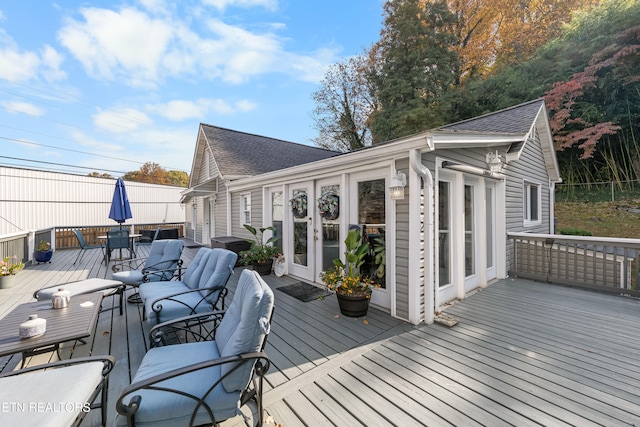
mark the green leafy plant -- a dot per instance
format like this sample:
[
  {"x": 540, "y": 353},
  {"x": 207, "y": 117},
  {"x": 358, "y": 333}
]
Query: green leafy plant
[
  {"x": 43, "y": 246},
  {"x": 9, "y": 266},
  {"x": 345, "y": 277},
  {"x": 260, "y": 251}
]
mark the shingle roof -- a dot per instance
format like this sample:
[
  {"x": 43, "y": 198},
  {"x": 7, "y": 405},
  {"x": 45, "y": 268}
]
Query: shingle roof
[
  {"x": 240, "y": 153},
  {"x": 517, "y": 119}
]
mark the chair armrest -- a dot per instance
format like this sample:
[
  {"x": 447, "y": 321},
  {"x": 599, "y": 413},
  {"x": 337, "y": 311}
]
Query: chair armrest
[
  {"x": 130, "y": 408},
  {"x": 186, "y": 324},
  {"x": 146, "y": 272},
  {"x": 108, "y": 361},
  {"x": 137, "y": 262},
  {"x": 172, "y": 296}
]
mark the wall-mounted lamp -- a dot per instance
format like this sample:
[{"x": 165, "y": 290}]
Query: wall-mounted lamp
[
  {"x": 397, "y": 184},
  {"x": 494, "y": 162}
]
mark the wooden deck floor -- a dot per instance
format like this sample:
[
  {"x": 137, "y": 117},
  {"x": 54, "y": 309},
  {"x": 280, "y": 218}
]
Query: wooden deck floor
[{"x": 523, "y": 353}]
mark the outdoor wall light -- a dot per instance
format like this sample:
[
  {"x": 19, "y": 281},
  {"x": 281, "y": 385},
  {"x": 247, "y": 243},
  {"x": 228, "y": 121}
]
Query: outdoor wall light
[
  {"x": 396, "y": 187},
  {"x": 494, "y": 162}
]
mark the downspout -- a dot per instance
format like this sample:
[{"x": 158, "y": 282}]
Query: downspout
[{"x": 428, "y": 279}]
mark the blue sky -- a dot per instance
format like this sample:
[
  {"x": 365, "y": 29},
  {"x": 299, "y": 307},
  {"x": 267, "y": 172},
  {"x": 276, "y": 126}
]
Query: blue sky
[{"x": 107, "y": 86}]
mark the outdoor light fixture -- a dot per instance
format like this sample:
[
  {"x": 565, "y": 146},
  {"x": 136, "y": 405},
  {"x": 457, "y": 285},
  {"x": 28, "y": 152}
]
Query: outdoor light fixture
[
  {"x": 396, "y": 187},
  {"x": 494, "y": 162}
]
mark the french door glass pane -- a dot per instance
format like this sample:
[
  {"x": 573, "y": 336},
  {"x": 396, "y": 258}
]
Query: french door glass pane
[
  {"x": 469, "y": 261},
  {"x": 371, "y": 217},
  {"x": 300, "y": 228},
  {"x": 277, "y": 214},
  {"x": 330, "y": 230},
  {"x": 444, "y": 234}
]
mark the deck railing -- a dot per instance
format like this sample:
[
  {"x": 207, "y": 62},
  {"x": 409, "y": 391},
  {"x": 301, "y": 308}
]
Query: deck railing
[
  {"x": 22, "y": 244},
  {"x": 609, "y": 265}
]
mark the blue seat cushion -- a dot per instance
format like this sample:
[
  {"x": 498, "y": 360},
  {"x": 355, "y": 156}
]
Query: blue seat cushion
[
  {"x": 244, "y": 326},
  {"x": 178, "y": 306},
  {"x": 159, "y": 408}
]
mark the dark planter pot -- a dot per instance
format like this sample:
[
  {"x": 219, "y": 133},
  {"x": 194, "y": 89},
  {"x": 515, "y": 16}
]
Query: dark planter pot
[
  {"x": 353, "y": 306},
  {"x": 44, "y": 256},
  {"x": 263, "y": 268}
]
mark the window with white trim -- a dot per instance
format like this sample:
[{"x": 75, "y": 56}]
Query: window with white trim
[
  {"x": 245, "y": 209},
  {"x": 532, "y": 204}
]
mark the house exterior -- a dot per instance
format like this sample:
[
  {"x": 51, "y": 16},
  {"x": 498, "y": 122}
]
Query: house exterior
[{"x": 467, "y": 185}]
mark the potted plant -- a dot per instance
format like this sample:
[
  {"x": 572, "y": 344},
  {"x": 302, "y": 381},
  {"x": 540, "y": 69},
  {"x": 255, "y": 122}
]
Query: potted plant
[
  {"x": 352, "y": 289},
  {"x": 261, "y": 254},
  {"x": 8, "y": 269},
  {"x": 43, "y": 251}
]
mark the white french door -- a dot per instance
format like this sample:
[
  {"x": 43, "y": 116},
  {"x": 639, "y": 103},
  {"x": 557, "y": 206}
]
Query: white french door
[
  {"x": 368, "y": 211},
  {"x": 472, "y": 232},
  {"x": 300, "y": 226},
  {"x": 327, "y": 236}
]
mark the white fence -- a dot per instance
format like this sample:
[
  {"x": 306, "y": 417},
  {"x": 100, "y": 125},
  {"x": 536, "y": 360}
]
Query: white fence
[{"x": 32, "y": 199}]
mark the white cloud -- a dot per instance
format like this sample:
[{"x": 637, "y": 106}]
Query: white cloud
[
  {"x": 143, "y": 49},
  {"x": 23, "y": 107},
  {"x": 21, "y": 66},
  {"x": 121, "y": 120},
  {"x": 178, "y": 110},
  {"x": 112, "y": 45},
  {"x": 222, "y": 4}
]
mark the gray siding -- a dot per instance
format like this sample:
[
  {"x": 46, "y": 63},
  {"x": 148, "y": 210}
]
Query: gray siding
[
  {"x": 529, "y": 167},
  {"x": 402, "y": 247},
  {"x": 256, "y": 212},
  {"x": 220, "y": 213}
]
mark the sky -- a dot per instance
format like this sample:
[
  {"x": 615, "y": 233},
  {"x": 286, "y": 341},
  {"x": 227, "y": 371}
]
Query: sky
[{"x": 106, "y": 86}]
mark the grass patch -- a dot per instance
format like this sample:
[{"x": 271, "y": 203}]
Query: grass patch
[{"x": 602, "y": 219}]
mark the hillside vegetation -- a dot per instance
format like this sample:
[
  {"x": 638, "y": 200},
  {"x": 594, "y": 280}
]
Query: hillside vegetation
[{"x": 603, "y": 219}]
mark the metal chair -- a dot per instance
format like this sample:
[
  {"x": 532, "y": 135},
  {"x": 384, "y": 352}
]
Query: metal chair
[
  {"x": 206, "y": 382},
  {"x": 160, "y": 265},
  {"x": 82, "y": 243},
  {"x": 118, "y": 239}
]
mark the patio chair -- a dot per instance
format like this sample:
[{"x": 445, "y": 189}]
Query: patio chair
[
  {"x": 160, "y": 265},
  {"x": 200, "y": 289},
  {"x": 64, "y": 391},
  {"x": 82, "y": 243},
  {"x": 117, "y": 239},
  {"x": 206, "y": 382}
]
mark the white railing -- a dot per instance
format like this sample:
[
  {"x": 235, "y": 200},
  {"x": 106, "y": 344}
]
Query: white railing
[{"x": 604, "y": 264}]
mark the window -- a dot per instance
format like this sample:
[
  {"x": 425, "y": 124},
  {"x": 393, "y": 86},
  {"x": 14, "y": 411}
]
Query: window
[
  {"x": 532, "y": 202},
  {"x": 245, "y": 209}
]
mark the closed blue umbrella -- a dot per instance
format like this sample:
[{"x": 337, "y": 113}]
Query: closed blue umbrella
[{"x": 120, "y": 209}]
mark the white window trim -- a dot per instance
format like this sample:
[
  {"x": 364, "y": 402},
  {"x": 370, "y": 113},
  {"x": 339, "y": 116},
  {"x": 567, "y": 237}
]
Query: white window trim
[
  {"x": 526, "y": 194},
  {"x": 245, "y": 214}
]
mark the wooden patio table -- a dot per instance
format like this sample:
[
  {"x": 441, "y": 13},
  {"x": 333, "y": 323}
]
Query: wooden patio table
[{"x": 74, "y": 322}]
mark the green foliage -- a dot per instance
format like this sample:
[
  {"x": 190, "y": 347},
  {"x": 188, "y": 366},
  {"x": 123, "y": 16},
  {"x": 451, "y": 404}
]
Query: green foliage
[
  {"x": 260, "y": 251},
  {"x": 574, "y": 232},
  {"x": 345, "y": 277},
  {"x": 418, "y": 59}
]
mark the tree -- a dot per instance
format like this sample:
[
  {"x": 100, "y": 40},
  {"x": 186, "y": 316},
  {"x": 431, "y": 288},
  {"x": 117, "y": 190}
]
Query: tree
[
  {"x": 153, "y": 173},
  {"x": 417, "y": 68},
  {"x": 344, "y": 104}
]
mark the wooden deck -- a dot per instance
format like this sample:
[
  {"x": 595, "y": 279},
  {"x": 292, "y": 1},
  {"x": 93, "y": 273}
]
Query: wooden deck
[{"x": 523, "y": 353}]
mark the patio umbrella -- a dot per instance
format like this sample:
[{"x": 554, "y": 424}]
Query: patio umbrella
[{"x": 120, "y": 209}]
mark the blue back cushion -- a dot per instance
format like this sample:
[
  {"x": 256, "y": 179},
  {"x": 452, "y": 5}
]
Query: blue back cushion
[
  {"x": 164, "y": 255},
  {"x": 244, "y": 326}
]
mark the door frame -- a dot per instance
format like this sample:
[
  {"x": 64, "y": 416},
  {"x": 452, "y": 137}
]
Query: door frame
[
  {"x": 304, "y": 272},
  {"x": 343, "y": 213},
  {"x": 384, "y": 298}
]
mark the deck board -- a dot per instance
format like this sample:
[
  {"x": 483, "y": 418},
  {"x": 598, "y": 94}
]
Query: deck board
[{"x": 523, "y": 353}]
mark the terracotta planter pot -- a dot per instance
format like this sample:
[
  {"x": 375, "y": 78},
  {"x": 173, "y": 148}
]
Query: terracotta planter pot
[
  {"x": 263, "y": 268},
  {"x": 353, "y": 306},
  {"x": 7, "y": 282}
]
